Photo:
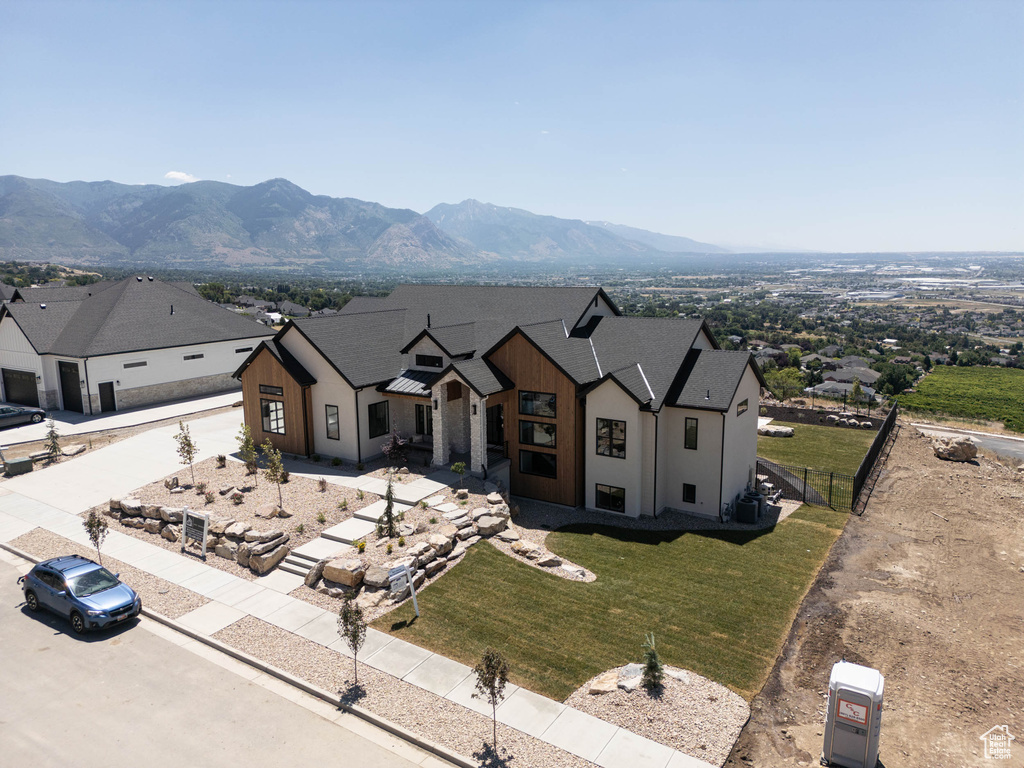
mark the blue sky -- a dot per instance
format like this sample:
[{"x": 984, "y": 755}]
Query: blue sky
[{"x": 820, "y": 125}]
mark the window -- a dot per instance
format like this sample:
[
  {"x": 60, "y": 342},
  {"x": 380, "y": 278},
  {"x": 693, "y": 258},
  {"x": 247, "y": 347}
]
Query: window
[
  {"x": 136, "y": 364},
  {"x": 611, "y": 438},
  {"x": 741, "y": 408},
  {"x": 689, "y": 493},
  {"x": 429, "y": 361},
  {"x": 534, "y": 463},
  {"x": 243, "y": 349},
  {"x": 378, "y": 413},
  {"x": 273, "y": 416},
  {"x": 690, "y": 441},
  {"x": 536, "y": 433},
  {"x": 611, "y": 498},
  {"x": 266, "y": 389},
  {"x": 537, "y": 404},
  {"x": 196, "y": 356},
  {"x": 333, "y": 425},
  {"x": 424, "y": 420}
]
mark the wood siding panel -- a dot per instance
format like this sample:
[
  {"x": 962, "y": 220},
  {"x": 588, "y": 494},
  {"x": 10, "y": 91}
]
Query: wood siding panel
[
  {"x": 533, "y": 372},
  {"x": 266, "y": 370}
]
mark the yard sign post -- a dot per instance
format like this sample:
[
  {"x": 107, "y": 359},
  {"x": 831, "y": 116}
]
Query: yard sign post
[
  {"x": 400, "y": 576},
  {"x": 196, "y": 526}
]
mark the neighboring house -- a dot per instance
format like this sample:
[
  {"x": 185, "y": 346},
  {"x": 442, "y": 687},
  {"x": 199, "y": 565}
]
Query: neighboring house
[
  {"x": 847, "y": 375},
  {"x": 8, "y": 293},
  {"x": 292, "y": 309},
  {"x": 840, "y": 389},
  {"x": 548, "y": 389},
  {"x": 116, "y": 345}
]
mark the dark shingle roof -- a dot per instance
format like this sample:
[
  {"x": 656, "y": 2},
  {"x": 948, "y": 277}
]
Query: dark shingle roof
[
  {"x": 127, "y": 316},
  {"x": 7, "y": 292},
  {"x": 363, "y": 347},
  {"x": 573, "y": 355},
  {"x": 709, "y": 378},
  {"x": 483, "y": 376}
]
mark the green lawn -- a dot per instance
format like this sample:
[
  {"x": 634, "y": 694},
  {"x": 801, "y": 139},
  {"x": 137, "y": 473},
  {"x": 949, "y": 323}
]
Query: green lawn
[
  {"x": 719, "y": 603},
  {"x": 989, "y": 394},
  {"x": 833, "y": 449}
]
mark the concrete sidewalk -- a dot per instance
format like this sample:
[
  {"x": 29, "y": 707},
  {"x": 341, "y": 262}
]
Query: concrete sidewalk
[
  {"x": 72, "y": 423},
  {"x": 53, "y": 497}
]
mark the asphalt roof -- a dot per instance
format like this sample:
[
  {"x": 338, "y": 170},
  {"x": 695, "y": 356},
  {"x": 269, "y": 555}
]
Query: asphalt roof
[
  {"x": 127, "y": 316},
  {"x": 483, "y": 376},
  {"x": 363, "y": 347},
  {"x": 287, "y": 360},
  {"x": 709, "y": 379}
]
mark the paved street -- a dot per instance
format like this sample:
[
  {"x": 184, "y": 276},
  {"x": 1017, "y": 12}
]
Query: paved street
[
  {"x": 144, "y": 697},
  {"x": 1011, "y": 447}
]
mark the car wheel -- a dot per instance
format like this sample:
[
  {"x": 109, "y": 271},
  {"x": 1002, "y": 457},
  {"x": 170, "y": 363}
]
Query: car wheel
[
  {"x": 77, "y": 623},
  {"x": 32, "y": 601},
  {"x": 36, "y": 418}
]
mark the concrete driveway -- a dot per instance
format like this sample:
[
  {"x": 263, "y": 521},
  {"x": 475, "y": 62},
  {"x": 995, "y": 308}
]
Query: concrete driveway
[{"x": 94, "y": 477}]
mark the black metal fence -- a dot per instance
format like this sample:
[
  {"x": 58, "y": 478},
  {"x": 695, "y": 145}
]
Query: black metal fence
[
  {"x": 810, "y": 486},
  {"x": 867, "y": 473}
]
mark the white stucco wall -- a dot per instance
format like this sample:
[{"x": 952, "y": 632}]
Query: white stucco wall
[
  {"x": 680, "y": 465},
  {"x": 425, "y": 346},
  {"x": 603, "y": 309},
  {"x": 608, "y": 401},
  {"x": 741, "y": 438}
]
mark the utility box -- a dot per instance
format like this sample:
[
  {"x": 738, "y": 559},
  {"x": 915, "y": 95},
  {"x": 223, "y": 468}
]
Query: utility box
[
  {"x": 854, "y": 718},
  {"x": 18, "y": 466}
]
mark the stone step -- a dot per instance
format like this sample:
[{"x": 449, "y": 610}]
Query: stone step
[
  {"x": 285, "y": 566},
  {"x": 303, "y": 557},
  {"x": 372, "y": 512},
  {"x": 350, "y": 531}
]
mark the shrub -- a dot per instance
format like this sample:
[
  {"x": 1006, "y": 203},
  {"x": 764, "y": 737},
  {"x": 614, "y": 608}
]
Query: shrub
[
  {"x": 222, "y": 461},
  {"x": 423, "y": 504},
  {"x": 389, "y": 549},
  {"x": 653, "y": 670},
  {"x": 322, "y": 485},
  {"x": 321, "y": 518},
  {"x": 433, "y": 521},
  {"x": 401, "y": 541},
  {"x": 335, "y": 462},
  {"x": 200, "y": 488},
  {"x": 208, "y": 497},
  {"x": 315, "y": 457},
  {"x": 361, "y": 546},
  {"x": 300, "y": 528},
  {"x": 343, "y": 504},
  {"x": 237, "y": 497},
  {"x": 360, "y": 495}
]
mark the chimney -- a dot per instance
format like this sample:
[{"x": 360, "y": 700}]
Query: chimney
[{"x": 139, "y": 278}]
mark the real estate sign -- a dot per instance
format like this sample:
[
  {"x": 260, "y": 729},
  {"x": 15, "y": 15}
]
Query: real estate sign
[{"x": 195, "y": 526}]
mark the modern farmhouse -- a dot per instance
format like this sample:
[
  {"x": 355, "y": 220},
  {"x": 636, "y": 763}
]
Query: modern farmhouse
[
  {"x": 549, "y": 389},
  {"x": 116, "y": 345}
]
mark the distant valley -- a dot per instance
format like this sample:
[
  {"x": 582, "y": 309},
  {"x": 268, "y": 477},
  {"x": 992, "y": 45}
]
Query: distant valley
[{"x": 277, "y": 225}]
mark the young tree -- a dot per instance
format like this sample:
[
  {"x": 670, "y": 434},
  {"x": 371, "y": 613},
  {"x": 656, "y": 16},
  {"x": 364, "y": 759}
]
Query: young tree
[
  {"x": 386, "y": 522},
  {"x": 491, "y": 676},
  {"x": 274, "y": 471},
  {"x": 96, "y": 527},
  {"x": 653, "y": 670},
  {"x": 857, "y": 393},
  {"x": 187, "y": 449},
  {"x": 352, "y": 628},
  {"x": 247, "y": 452},
  {"x": 459, "y": 468},
  {"x": 52, "y": 440}
]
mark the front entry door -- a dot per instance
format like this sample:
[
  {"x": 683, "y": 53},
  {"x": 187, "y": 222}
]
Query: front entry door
[
  {"x": 496, "y": 425},
  {"x": 107, "y": 396},
  {"x": 70, "y": 388}
]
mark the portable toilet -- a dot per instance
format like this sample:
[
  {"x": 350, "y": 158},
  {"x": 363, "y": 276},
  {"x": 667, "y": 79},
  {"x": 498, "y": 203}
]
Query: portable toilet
[{"x": 854, "y": 717}]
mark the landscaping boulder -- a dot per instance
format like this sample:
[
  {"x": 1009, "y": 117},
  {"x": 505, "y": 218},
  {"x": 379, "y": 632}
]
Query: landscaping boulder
[
  {"x": 630, "y": 676},
  {"x": 227, "y": 490},
  {"x": 376, "y": 576},
  {"x": 115, "y": 504},
  {"x": 549, "y": 561},
  {"x": 488, "y": 525},
  {"x": 225, "y": 549},
  {"x": 479, "y": 512},
  {"x": 371, "y": 598},
  {"x": 406, "y": 530},
  {"x": 405, "y": 562},
  {"x": 500, "y": 510},
  {"x": 866, "y": 425},
  {"x": 447, "y": 529},
  {"x": 178, "y": 490},
  {"x": 151, "y": 511},
  {"x": 315, "y": 573},
  {"x": 237, "y": 530},
  {"x": 573, "y": 570},
  {"x": 441, "y": 544},
  {"x": 262, "y": 536},
  {"x": 467, "y": 532},
  {"x": 349, "y": 572},
  {"x": 171, "y": 532},
  {"x": 606, "y": 682},
  {"x": 423, "y": 552},
  {"x": 265, "y": 546},
  {"x": 242, "y": 553},
  {"x": 172, "y": 514},
  {"x": 462, "y": 523},
  {"x": 527, "y": 549},
  {"x": 72, "y": 450},
  {"x": 218, "y": 525},
  {"x": 508, "y": 535},
  {"x": 955, "y": 448},
  {"x": 455, "y": 514},
  {"x": 268, "y": 511},
  {"x": 462, "y": 493},
  {"x": 770, "y": 430},
  {"x": 831, "y": 418},
  {"x": 133, "y": 522},
  {"x": 153, "y": 526},
  {"x": 495, "y": 498},
  {"x": 435, "y": 566},
  {"x": 171, "y": 482},
  {"x": 262, "y": 563},
  {"x": 114, "y": 513}
]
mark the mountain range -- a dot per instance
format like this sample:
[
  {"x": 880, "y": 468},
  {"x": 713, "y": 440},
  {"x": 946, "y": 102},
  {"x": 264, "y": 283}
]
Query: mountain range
[{"x": 276, "y": 224}]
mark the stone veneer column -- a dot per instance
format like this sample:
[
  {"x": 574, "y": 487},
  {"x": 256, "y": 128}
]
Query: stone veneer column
[
  {"x": 441, "y": 444},
  {"x": 477, "y": 431}
]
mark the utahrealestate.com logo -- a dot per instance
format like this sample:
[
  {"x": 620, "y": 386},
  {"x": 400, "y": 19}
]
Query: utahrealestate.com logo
[{"x": 997, "y": 742}]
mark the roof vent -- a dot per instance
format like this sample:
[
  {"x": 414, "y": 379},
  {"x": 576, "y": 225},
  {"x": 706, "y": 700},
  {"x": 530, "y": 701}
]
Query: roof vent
[
  {"x": 172, "y": 309},
  {"x": 42, "y": 306},
  {"x": 708, "y": 395},
  {"x": 428, "y": 319},
  {"x": 150, "y": 278},
  {"x": 139, "y": 279}
]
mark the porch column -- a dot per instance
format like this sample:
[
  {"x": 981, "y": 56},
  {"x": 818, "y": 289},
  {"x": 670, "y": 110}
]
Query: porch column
[
  {"x": 477, "y": 431},
  {"x": 439, "y": 404}
]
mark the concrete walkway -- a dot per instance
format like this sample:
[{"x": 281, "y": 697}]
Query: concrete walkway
[
  {"x": 52, "y": 499},
  {"x": 72, "y": 423}
]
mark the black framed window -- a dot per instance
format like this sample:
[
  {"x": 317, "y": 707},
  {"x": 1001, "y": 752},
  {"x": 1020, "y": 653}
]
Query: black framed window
[
  {"x": 243, "y": 349},
  {"x": 273, "y": 416},
  {"x": 136, "y": 364},
  {"x": 424, "y": 420},
  {"x": 610, "y": 497},
  {"x": 196, "y": 356},
  {"x": 741, "y": 407},
  {"x": 536, "y": 463},
  {"x": 689, "y": 493},
  {"x": 537, "y": 404},
  {"x": 429, "y": 361},
  {"x": 266, "y": 389},
  {"x": 333, "y": 423},
  {"x": 537, "y": 433},
  {"x": 611, "y": 438},
  {"x": 378, "y": 418},
  {"x": 690, "y": 440}
]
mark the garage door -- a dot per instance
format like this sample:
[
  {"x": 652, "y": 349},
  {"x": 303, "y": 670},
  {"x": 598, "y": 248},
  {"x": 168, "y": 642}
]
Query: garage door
[{"x": 20, "y": 387}]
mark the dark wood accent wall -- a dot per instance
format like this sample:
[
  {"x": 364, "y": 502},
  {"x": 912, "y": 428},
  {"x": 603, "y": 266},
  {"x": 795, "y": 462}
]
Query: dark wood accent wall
[
  {"x": 532, "y": 371},
  {"x": 297, "y": 405}
]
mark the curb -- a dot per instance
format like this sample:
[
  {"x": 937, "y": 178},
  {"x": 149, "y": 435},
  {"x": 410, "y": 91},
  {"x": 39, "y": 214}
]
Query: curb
[{"x": 280, "y": 674}]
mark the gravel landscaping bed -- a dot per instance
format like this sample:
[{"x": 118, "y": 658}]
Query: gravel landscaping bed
[
  {"x": 690, "y": 713},
  {"x": 437, "y": 719},
  {"x": 162, "y": 596}
]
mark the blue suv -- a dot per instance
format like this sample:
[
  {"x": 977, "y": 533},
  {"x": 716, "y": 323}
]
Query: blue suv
[{"x": 88, "y": 594}]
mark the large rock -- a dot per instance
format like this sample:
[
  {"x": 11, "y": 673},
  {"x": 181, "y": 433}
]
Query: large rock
[
  {"x": 423, "y": 552},
  {"x": 151, "y": 511},
  {"x": 466, "y": 533},
  {"x": 262, "y": 536},
  {"x": 955, "y": 448},
  {"x": 242, "y": 554},
  {"x": 237, "y": 530},
  {"x": 455, "y": 514},
  {"x": 508, "y": 535},
  {"x": 172, "y": 514},
  {"x": 171, "y": 482},
  {"x": 264, "y": 562},
  {"x": 831, "y": 418},
  {"x": 347, "y": 572},
  {"x": 115, "y": 504},
  {"x": 225, "y": 549},
  {"x": 447, "y": 529},
  {"x": 527, "y": 549},
  {"x": 549, "y": 561},
  {"x": 376, "y": 576},
  {"x": 574, "y": 570},
  {"x": 418, "y": 578},
  {"x": 462, "y": 493},
  {"x": 488, "y": 525},
  {"x": 441, "y": 544},
  {"x": 266, "y": 546},
  {"x": 171, "y": 532},
  {"x": 268, "y": 511},
  {"x": 605, "y": 683},
  {"x": 154, "y": 526},
  {"x": 495, "y": 498},
  {"x": 435, "y": 566},
  {"x": 72, "y": 450},
  {"x": 133, "y": 522},
  {"x": 371, "y": 598},
  {"x": 218, "y": 525},
  {"x": 315, "y": 573},
  {"x": 479, "y": 512},
  {"x": 770, "y": 430},
  {"x": 500, "y": 510}
]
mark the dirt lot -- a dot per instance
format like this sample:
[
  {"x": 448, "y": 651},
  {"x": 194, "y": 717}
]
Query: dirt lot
[{"x": 935, "y": 603}]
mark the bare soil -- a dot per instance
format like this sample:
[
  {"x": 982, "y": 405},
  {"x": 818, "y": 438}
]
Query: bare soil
[{"x": 927, "y": 587}]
